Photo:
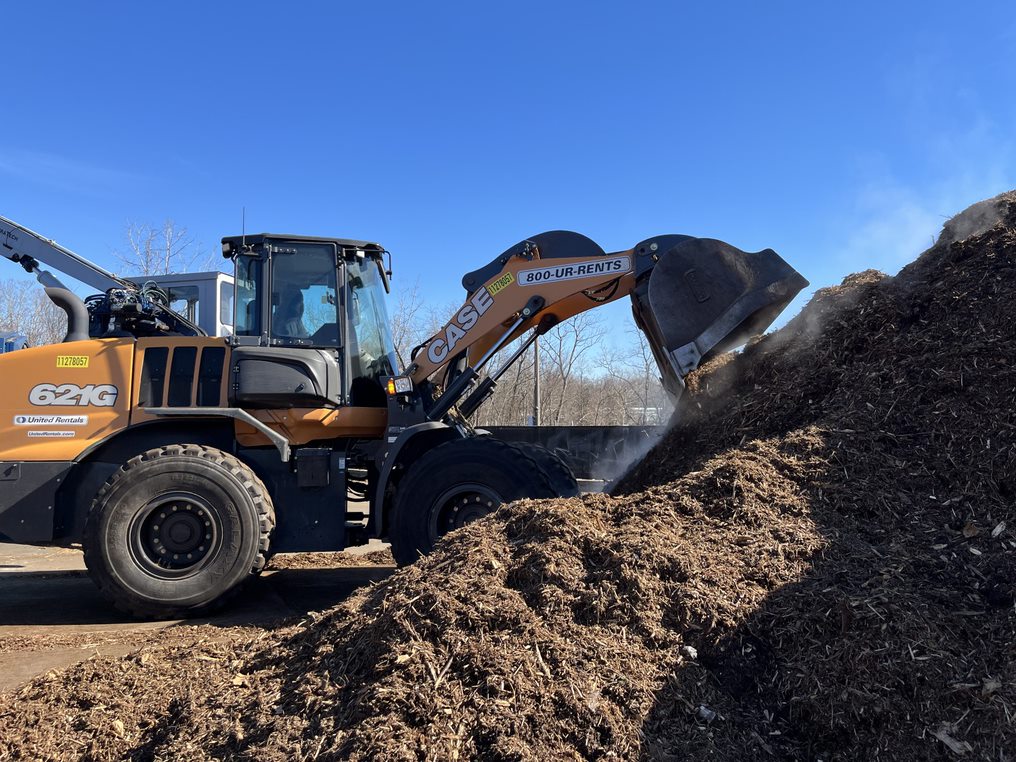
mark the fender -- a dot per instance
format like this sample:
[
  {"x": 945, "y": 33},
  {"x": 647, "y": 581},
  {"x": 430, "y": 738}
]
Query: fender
[
  {"x": 411, "y": 442},
  {"x": 96, "y": 464}
]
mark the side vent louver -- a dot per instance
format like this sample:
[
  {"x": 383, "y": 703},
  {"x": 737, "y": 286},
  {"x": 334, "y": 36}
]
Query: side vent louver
[
  {"x": 210, "y": 376},
  {"x": 153, "y": 377},
  {"x": 194, "y": 377},
  {"x": 181, "y": 376}
]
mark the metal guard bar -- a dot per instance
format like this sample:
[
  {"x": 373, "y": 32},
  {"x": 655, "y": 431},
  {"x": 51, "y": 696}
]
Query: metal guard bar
[{"x": 280, "y": 442}]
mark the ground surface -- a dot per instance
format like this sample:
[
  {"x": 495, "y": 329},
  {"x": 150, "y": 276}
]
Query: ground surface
[{"x": 52, "y": 616}]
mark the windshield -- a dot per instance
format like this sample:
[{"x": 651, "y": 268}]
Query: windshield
[{"x": 371, "y": 350}]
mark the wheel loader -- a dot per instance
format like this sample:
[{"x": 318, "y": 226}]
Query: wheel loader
[{"x": 180, "y": 462}]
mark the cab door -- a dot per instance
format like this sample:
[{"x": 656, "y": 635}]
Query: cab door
[{"x": 288, "y": 326}]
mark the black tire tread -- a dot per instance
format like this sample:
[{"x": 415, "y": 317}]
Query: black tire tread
[
  {"x": 247, "y": 478},
  {"x": 433, "y": 460},
  {"x": 560, "y": 474}
]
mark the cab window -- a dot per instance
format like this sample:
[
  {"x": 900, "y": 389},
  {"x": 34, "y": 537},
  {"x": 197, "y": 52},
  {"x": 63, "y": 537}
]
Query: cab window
[
  {"x": 226, "y": 305},
  {"x": 304, "y": 299},
  {"x": 247, "y": 321}
]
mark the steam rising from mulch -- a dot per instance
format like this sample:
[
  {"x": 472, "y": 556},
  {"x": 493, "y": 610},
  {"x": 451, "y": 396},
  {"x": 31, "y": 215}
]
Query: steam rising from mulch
[{"x": 817, "y": 563}]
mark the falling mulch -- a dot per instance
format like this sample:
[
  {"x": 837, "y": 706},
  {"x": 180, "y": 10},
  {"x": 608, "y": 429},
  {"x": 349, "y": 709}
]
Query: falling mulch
[{"x": 818, "y": 562}]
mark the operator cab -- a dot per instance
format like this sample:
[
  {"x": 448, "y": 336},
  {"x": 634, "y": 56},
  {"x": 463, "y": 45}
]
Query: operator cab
[{"x": 310, "y": 326}]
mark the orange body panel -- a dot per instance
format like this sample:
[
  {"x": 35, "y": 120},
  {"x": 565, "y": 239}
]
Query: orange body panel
[
  {"x": 303, "y": 425},
  {"x": 59, "y": 400},
  {"x": 298, "y": 425}
]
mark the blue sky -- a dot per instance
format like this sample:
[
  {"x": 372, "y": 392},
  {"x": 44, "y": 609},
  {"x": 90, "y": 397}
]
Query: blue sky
[{"x": 842, "y": 135}]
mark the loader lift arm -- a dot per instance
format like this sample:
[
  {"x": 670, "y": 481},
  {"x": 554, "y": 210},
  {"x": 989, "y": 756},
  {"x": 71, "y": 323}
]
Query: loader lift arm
[{"x": 692, "y": 297}]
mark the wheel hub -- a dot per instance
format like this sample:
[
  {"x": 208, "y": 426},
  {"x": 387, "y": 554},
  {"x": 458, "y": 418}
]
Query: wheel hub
[
  {"x": 179, "y": 532},
  {"x": 460, "y": 505},
  {"x": 470, "y": 508},
  {"x": 174, "y": 535}
]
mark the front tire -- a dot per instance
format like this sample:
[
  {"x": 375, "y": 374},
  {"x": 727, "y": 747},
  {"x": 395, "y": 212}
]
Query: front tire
[
  {"x": 175, "y": 530},
  {"x": 560, "y": 474},
  {"x": 456, "y": 483}
]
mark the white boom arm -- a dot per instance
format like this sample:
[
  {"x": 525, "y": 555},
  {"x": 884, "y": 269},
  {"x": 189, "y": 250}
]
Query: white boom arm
[{"x": 28, "y": 249}]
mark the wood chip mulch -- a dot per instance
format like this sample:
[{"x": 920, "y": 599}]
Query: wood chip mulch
[{"x": 818, "y": 562}]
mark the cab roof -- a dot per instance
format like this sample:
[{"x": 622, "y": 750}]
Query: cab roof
[{"x": 231, "y": 245}]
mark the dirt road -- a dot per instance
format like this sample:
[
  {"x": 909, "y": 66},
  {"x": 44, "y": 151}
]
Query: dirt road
[{"x": 52, "y": 616}]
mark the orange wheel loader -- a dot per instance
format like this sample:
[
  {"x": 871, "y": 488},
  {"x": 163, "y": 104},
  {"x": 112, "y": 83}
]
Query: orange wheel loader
[{"x": 180, "y": 462}]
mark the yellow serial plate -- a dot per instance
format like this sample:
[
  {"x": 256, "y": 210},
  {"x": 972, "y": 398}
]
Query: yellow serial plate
[
  {"x": 500, "y": 284},
  {"x": 72, "y": 361}
]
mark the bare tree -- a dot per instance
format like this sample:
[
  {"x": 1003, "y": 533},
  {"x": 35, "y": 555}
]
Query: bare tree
[
  {"x": 25, "y": 309},
  {"x": 567, "y": 350},
  {"x": 160, "y": 250},
  {"x": 634, "y": 375},
  {"x": 512, "y": 401},
  {"x": 409, "y": 322}
]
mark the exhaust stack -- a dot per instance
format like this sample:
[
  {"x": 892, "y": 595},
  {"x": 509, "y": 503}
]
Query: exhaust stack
[{"x": 77, "y": 314}]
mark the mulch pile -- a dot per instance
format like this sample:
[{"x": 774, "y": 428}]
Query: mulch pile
[
  {"x": 330, "y": 559},
  {"x": 817, "y": 563},
  {"x": 98, "y": 640}
]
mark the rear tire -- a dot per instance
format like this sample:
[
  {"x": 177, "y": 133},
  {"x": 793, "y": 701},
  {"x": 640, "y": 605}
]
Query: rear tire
[
  {"x": 176, "y": 530},
  {"x": 456, "y": 483}
]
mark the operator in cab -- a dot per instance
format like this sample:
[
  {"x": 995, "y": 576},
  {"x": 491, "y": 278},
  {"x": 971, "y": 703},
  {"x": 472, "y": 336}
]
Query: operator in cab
[{"x": 289, "y": 314}]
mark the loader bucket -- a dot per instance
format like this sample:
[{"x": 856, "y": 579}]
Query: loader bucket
[{"x": 701, "y": 297}]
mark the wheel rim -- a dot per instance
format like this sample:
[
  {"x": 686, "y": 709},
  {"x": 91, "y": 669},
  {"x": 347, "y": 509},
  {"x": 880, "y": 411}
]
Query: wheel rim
[
  {"x": 459, "y": 505},
  {"x": 175, "y": 535}
]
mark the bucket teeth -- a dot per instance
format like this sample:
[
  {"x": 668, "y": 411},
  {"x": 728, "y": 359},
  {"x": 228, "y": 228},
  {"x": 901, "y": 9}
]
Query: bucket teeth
[{"x": 702, "y": 297}]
